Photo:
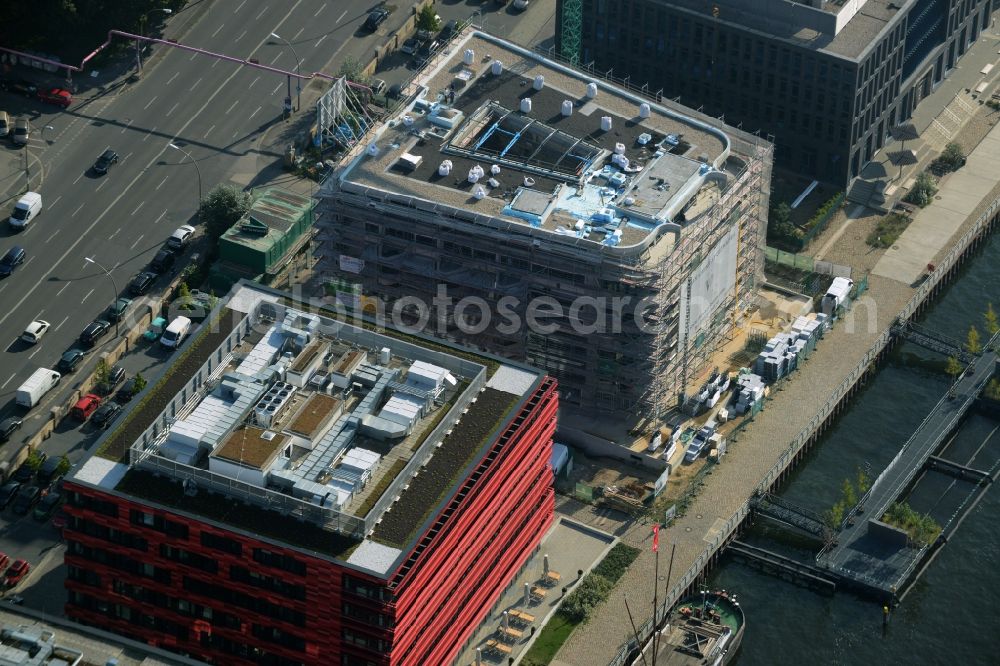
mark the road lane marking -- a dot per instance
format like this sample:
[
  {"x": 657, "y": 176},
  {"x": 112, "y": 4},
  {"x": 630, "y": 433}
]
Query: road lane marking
[
  {"x": 53, "y": 235},
  {"x": 52, "y": 205},
  {"x": 209, "y": 131},
  {"x": 242, "y": 35},
  {"x": 215, "y": 63},
  {"x": 264, "y": 11},
  {"x": 78, "y": 179},
  {"x": 320, "y": 41},
  {"x": 341, "y": 17},
  {"x": 77, "y": 210},
  {"x": 275, "y": 58},
  {"x": 65, "y": 319},
  {"x": 321, "y": 8},
  {"x": 137, "y": 241},
  {"x": 28, "y": 261},
  {"x": 232, "y": 107},
  {"x": 111, "y": 237},
  {"x": 240, "y": 6},
  {"x": 297, "y": 34},
  {"x": 173, "y": 108},
  {"x": 138, "y": 207},
  {"x": 161, "y": 182},
  {"x": 148, "y": 134},
  {"x": 254, "y": 113},
  {"x": 103, "y": 183},
  {"x": 37, "y": 349},
  {"x": 218, "y": 30},
  {"x": 14, "y": 374},
  {"x": 129, "y": 123},
  {"x": 126, "y": 157},
  {"x": 280, "y": 86},
  {"x": 87, "y": 296},
  {"x": 150, "y": 102},
  {"x": 195, "y": 84},
  {"x": 63, "y": 288},
  {"x": 253, "y": 82},
  {"x": 160, "y": 217},
  {"x": 82, "y": 233},
  {"x": 171, "y": 79},
  {"x": 193, "y": 56}
]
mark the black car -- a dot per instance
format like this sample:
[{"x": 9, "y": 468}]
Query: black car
[
  {"x": 448, "y": 30},
  {"x": 11, "y": 260},
  {"x": 141, "y": 283},
  {"x": 95, "y": 330},
  {"x": 8, "y": 427},
  {"x": 48, "y": 470},
  {"x": 105, "y": 414},
  {"x": 20, "y": 87},
  {"x": 163, "y": 260},
  {"x": 117, "y": 310},
  {"x": 8, "y": 492},
  {"x": 126, "y": 392},
  {"x": 376, "y": 18},
  {"x": 104, "y": 162},
  {"x": 71, "y": 358},
  {"x": 47, "y": 506},
  {"x": 26, "y": 498},
  {"x": 115, "y": 375},
  {"x": 24, "y": 473}
]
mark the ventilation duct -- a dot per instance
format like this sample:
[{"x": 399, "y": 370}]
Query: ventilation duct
[{"x": 525, "y": 105}]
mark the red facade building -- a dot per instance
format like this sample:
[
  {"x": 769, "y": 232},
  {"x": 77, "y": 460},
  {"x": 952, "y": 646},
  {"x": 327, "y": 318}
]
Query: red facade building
[{"x": 155, "y": 556}]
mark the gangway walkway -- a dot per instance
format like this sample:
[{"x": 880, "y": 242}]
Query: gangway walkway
[
  {"x": 781, "y": 510},
  {"x": 875, "y": 563},
  {"x": 932, "y": 340}
]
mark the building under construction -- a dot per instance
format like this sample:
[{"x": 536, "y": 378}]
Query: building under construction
[{"x": 517, "y": 205}]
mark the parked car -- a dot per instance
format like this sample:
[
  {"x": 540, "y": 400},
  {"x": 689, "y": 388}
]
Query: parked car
[
  {"x": 70, "y": 360},
  {"x": 141, "y": 283},
  {"x": 34, "y": 331},
  {"x": 410, "y": 46},
  {"x": 105, "y": 161},
  {"x": 427, "y": 50},
  {"x": 58, "y": 96},
  {"x": 11, "y": 260},
  {"x": 8, "y": 492},
  {"x": 48, "y": 471},
  {"x": 60, "y": 519},
  {"x": 4, "y": 560},
  {"x": 21, "y": 131},
  {"x": 117, "y": 310},
  {"x": 520, "y": 4},
  {"x": 4, "y": 123},
  {"x": 85, "y": 406},
  {"x": 105, "y": 414},
  {"x": 16, "y": 573},
  {"x": 127, "y": 391},
  {"x": 115, "y": 375},
  {"x": 95, "y": 330},
  {"x": 376, "y": 17},
  {"x": 8, "y": 427},
  {"x": 47, "y": 506},
  {"x": 26, "y": 498},
  {"x": 448, "y": 31},
  {"x": 20, "y": 87},
  {"x": 180, "y": 238},
  {"x": 163, "y": 260}
]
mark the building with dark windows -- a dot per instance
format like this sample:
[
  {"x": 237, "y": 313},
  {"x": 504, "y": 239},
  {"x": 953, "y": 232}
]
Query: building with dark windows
[
  {"x": 827, "y": 79},
  {"x": 522, "y": 207},
  {"x": 297, "y": 490}
]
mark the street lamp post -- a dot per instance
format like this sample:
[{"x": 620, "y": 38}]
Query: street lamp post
[
  {"x": 27, "y": 149},
  {"x": 113, "y": 285},
  {"x": 142, "y": 34},
  {"x": 298, "y": 81},
  {"x": 195, "y": 163}
]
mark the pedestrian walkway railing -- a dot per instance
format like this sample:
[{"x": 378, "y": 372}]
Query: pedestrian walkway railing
[{"x": 631, "y": 643}]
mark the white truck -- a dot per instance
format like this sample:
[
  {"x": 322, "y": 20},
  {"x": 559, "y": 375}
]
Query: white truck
[{"x": 39, "y": 383}]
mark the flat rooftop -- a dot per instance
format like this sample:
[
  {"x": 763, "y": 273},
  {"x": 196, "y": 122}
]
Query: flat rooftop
[
  {"x": 296, "y": 452},
  {"x": 503, "y": 132},
  {"x": 841, "y": 27}
]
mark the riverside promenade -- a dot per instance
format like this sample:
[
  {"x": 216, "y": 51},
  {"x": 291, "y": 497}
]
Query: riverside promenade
[{"x": 766, "y": 448}]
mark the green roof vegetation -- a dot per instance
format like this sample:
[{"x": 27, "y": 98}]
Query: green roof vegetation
[{"x": 436, "y": 480}]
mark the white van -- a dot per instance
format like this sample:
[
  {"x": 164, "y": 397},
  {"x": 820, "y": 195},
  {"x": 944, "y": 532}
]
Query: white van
[
  {"x": 25, "y": 210},
  {"x": 175, "y": 333}
]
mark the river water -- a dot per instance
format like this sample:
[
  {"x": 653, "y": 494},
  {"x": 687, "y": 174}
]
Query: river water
[{"x": 952, "y": 615}]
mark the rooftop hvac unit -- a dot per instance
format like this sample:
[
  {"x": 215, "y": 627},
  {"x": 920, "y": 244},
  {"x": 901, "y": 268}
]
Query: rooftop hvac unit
[
  {"x": 644, "y": 110},
  {"x": 539, "y": 82},
  {"x": 469, "y": 56},
  {"x": 445, "y": 168},
  {"x": 525, "y": 105},
  {"x": 479, "y": 193},
  {"x": 384, "y": 356},
  {"x": 591, "y": 90},
  {"x": 475, "y": 173},
  {"x": 495, "y": 169},
  {"x": 496, "y": 68},
  {"x": 619, "y": 149},
  {"x": 606, "y": 123},
  {"x": 408, "y": 120},
  {"x": 372, "y": 150},
  {"x": 409, "y": 161},
  {"x": 567, "y": 108}
]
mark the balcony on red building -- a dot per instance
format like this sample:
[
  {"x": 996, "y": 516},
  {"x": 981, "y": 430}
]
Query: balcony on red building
[{"x": 296, "y": 490}]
